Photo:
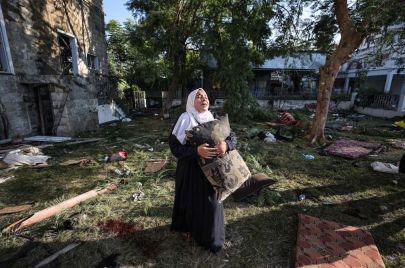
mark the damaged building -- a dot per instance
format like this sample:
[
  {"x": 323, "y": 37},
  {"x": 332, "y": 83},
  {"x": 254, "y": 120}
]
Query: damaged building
[{"x": 53, "y": 66}]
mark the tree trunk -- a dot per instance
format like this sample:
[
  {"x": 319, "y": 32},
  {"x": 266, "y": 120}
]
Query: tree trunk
[{"x": 349, "y": 42}]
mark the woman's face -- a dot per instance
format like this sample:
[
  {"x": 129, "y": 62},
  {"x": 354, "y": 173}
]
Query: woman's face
[{"x": 201, "y": 102}]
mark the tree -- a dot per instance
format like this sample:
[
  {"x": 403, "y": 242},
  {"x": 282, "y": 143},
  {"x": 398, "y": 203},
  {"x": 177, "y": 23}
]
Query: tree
[
  {"x": 168, "y": 27},
  {"x": 236, "y": 34},
  {"x": 354, "y": 21}
]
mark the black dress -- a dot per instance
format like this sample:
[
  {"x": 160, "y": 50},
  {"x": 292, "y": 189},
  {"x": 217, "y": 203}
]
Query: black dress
[{"x": 196, "y": 209}]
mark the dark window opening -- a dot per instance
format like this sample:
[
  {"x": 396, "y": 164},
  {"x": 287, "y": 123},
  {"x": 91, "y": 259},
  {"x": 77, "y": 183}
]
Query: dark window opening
[
  {"x": 66, "y": 59},
  {"x": 92, "y": 62}
]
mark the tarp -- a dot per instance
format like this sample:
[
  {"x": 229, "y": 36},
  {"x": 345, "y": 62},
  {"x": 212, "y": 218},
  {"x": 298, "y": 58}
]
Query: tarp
[{"x": 110, "y": 112}]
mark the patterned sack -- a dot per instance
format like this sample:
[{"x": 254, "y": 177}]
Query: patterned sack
[{"x": 226, "y": 173}]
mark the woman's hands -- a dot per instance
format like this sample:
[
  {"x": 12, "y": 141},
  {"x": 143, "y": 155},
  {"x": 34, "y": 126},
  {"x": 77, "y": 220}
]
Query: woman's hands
[
  {"x": 221, "y": 147},
  {"x": 207, "y": 152}
]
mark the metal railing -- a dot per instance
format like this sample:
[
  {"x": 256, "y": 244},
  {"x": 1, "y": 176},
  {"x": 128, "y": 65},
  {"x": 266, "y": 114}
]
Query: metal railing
[{"x": 387, "y": 102}]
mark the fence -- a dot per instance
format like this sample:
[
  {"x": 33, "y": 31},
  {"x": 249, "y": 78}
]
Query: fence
[{"x": 387, "y": 102}]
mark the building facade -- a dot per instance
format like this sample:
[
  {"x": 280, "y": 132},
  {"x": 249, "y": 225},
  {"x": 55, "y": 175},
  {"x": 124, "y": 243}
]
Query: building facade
[{"x": 53, "y": 63}]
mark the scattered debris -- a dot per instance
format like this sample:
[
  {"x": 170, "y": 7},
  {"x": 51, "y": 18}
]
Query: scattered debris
[
  {"x": 15, "y": 209},
  {"x": 110, "y": 113},
  {"x": 126, "y": 120},
  {"x": 138, "y": 196},
  {"x": 27, "y": 155},
  {"x": 50, "y": 211},
  {"x": 266, "y": 136},
  {"x": 123, "y": 172},
  {"x": 301, "y": 197},
  {"x": 385, "y": 167},
  {"x": 4, "y": 179},
  {"x": 80, "y": 162},
  {"x": 48, "y": 139},
  {"x": 397, "y": 144},
  {"x": 395, "y": 182},
  {"x": 346, "y": 128},
  {"x": 308, "y": 156},
  {"x": 356, "y": 117},
  {"x": 118, "y": 227},
  {"x": 118, "y": 156},
  {"x": 399, "y": 124},
  {"x": 155, "y": 165},
  {"x": 57, "y": 254}
]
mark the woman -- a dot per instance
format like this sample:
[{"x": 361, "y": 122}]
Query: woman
[{"x": 196, "y": 211}]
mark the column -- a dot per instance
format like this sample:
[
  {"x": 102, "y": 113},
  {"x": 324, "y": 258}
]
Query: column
[{"x": 388, "y": 82}]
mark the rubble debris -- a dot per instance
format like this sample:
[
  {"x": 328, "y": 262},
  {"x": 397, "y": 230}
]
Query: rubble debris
[
  {"x": 138, "y": 196},
  {"x": 27, "y": 155},
  {"x": 53, "y": 210},
  {"x": 118, "y": 227},
  {"x": 155, "y": 165},
  {"x": 118, "y": 156},
  {"x": 4, "y": 179},
  {"x": 57, "y": 254},
  {"x": 80, "y": 162},
  {"x": 397, "y": 144},
  {"x": 15, "y": 209},
  {"x": 3, "y": 165},
  {"x": 48, "y": 138}
]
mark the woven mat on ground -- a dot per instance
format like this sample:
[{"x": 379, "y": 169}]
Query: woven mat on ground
[
  {"x": 327, "y": 244},
  {"x": 350, "y": 148}
]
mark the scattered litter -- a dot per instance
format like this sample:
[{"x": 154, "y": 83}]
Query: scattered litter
[
  {"x": 53, "y": 210},
  {"x": 4, "y": 179},
  {"x": 118, "y": 156},
  {"x": 336, "y": 245},
  {"x": 400, "y": 124},
  {"x": 301, "y": 197},
  {"x": 390, "y": 258},
  {"x": 15, "y": 209},
  {"x": 328, "y": 203},
  {"x": 383, "y": 209},
  {"x": 138, "y": 196},
  {"x": 346, "y": 128},
  {"x": 109, "y": 113},
  {"x": 395, "y": 182},
  {"x": 48, "y": 139},
  {"x": 397, "y": 144},
  {"x": 126, "y": 120},
  {"x": 80, "y": 162},
  {"x": 118, "y": 227},
  {"x": 385, "y": 167},
  {"x": 267, "y": 137},
  {"x": 57, "y": 254},
  {"x": 138, "y": 184},
  {"x": 355, "y": 213},
  {"x": 356, "y": 117},
  {"x": 122, "y": 172},
  {"x": 28, "y": 155},
  {"x": 155, "y": 166},
  {"x": 308, "y": 156}
]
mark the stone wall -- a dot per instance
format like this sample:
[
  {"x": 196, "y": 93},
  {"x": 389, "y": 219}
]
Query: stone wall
[{"x": 32, "y": 28}]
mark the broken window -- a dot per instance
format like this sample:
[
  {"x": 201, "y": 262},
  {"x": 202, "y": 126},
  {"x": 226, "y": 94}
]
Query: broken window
[
  {"x": 92, "y": 62},
  {"x": 68, "y": 54},
  {"x": 6, "y": 65}
]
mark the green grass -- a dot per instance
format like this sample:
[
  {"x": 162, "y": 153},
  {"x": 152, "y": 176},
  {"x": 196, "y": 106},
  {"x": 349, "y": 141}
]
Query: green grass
[{"x": 261, "y": 231}]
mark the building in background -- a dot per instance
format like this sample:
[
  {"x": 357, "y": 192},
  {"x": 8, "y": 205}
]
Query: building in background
[{"x": 53, "y": 64}]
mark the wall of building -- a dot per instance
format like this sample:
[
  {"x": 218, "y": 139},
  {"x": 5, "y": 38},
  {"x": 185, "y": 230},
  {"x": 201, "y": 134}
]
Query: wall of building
[{"x": 32, "y": 27}]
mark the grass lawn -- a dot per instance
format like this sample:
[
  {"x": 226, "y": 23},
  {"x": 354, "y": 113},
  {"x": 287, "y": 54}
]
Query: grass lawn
[{"x": 261, "y": 231}]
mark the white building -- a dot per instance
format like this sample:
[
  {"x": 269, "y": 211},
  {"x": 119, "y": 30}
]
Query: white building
[{"x": 382, "y": 72}]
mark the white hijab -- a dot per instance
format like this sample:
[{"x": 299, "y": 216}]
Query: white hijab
[{"x": 190, "y": 118}]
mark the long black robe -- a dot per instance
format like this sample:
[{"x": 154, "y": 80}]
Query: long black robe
[{"x": 196, "y": 209}]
